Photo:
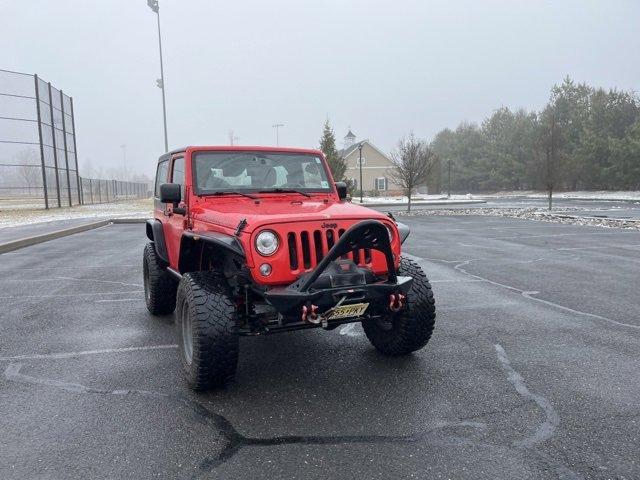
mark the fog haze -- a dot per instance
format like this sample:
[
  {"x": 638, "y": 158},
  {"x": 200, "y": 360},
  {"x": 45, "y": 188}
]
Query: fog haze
[{"x": 383, "y": 68}]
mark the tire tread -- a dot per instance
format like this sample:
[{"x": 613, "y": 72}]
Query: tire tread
[
  {"x": 163, "y": 286},
  {"x": 215, "y": 335},
  {"x": 414, "y": 326}
]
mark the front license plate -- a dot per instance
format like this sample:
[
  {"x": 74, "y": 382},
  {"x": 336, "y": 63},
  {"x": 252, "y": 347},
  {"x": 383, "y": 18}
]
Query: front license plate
[{"x": 347, "y": 311}]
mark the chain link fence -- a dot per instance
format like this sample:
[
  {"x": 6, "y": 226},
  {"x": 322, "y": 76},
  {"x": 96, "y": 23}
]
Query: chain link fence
[
  {"x": 108, "y": 191},
  {"x": 38, "y": 159}
]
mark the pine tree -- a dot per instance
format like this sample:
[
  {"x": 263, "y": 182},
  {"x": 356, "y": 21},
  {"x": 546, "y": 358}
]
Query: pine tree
[{"x": 328, "y": 147}]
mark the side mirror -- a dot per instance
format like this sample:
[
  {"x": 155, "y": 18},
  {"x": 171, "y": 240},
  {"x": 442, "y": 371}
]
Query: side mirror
[
  {"x": 342, "y": 190},
  {"x": 170, "y": 193}
]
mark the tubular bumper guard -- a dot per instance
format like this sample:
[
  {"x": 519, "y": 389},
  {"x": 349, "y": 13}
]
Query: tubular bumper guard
[{"x": 370, "y": 234}]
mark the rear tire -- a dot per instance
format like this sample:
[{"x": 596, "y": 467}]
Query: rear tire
[
  {"x": 411, "y": 328},
  {"x": 160, "y": 287},
  {"x": 206, "y": 322}
]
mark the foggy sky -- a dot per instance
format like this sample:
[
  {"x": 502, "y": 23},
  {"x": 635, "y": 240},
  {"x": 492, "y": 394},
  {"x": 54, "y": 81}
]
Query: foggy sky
[{"x": 383, "y": 68}]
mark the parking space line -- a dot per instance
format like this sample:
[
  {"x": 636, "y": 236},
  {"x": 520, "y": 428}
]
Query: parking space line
[
  {"x": 12, "y": 372},
  {"x": 529, "y": 295},
  {"x": 120, "y": 300},
  {"x": 459, "y": 264},
  {"x": 7, "y": 297},
  {"x": 100, "y": 281},
  {"x": 49, "y": 356}
]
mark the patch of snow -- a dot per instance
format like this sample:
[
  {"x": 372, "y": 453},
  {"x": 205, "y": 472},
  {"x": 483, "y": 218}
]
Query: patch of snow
[
  {"x": 565, "y": 216},
  {"x": 132, "y": 209}
]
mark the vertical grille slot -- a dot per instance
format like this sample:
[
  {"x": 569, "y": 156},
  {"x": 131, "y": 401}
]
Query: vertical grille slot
[
  {"x": 293, "y": 251},
  {"x": 306, "y": 250},
  {"x": 317, "y": 242},
  {"x": 346, "y": 255},
  {"x": 330, "y": 239}
]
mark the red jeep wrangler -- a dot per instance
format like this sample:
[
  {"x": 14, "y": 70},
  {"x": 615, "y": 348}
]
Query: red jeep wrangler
[{"x": 258, "y": 240}]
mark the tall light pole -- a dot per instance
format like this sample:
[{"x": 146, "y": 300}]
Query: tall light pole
[
  {"x": 277, "y": 127},
  {"x": 360, "y": 151},
  {"x": 153, "y": 4}
]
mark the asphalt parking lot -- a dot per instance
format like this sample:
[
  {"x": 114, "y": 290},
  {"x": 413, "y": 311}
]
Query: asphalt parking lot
[{"x": 533, "y": 370}]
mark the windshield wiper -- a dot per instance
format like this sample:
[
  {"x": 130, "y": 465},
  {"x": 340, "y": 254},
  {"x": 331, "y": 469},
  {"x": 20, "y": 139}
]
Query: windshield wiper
[
  {"x": 284, "y": 190},
  {"x": 252, "y": 197}
]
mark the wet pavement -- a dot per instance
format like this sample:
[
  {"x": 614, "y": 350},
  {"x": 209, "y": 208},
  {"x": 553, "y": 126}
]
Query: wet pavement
[{"x": 533, "y": 370}]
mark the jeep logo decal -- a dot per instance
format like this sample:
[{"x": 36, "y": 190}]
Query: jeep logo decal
[{"x": 329, "y": 225}]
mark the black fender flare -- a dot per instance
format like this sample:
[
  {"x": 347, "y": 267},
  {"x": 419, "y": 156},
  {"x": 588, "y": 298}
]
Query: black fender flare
[
  {"x": 192, "y": 243},
  {"x": 155, "y": 233},
  {"x": 403, "y": 231}
]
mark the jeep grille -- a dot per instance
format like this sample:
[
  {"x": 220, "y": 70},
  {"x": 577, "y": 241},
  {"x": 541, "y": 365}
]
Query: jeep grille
[{"x": 307, "y": 248}]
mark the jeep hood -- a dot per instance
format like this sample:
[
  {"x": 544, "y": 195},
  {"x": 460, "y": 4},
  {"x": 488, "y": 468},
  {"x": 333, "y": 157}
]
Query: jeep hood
[{"x": 228, "y": 212}]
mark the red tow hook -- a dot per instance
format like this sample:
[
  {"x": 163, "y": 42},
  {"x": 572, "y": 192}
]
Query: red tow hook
[
  {"x": 396, "y": 302},
  {"x": 309, "y": 314}
]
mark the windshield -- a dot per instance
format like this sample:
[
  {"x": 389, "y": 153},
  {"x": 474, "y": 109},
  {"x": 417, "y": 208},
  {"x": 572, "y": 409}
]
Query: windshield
[{"x": 258, "y": 171}]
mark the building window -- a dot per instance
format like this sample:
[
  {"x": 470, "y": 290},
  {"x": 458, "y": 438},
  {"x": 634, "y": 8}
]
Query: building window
[
  {"x": 381, "y": 183},
  {"x": 364, "y": 161}
]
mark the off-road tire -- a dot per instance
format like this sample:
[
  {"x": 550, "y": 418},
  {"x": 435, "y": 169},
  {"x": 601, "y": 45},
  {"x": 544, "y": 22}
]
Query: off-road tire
[
  {"x": 204, "y": 300},
  {"x": 160, "y": 287},
  {"x": 411, "y": 328}
]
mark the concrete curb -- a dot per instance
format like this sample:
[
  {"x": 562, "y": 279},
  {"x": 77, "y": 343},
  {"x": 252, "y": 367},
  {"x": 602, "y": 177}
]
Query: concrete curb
[
  {"x": 128, "y": 220},
  {"x": 45, "y": 237}
]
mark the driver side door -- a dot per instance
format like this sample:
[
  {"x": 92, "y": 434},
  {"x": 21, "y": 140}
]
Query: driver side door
[{"x": 175, "y": 223}]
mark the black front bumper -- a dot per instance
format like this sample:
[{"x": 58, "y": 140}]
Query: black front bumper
[{"x": 290, "y": 300}]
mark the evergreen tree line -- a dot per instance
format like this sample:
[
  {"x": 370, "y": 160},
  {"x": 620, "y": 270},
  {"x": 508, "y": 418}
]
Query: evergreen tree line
[{"x": 585, "y": 138}]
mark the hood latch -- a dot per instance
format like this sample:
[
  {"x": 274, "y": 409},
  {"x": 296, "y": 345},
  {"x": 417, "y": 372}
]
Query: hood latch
[{"x": 240, "y": 227}]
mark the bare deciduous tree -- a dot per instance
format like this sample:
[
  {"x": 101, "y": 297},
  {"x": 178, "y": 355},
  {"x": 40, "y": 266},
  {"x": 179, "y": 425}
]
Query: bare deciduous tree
[
  {"x": 413, "y": 162},
  {"x": 30, "y": 169}
]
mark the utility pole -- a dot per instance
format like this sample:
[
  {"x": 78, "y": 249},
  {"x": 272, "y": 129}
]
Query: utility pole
[
  {"x": 449, "y": 182},
  {"x": 360, "y": 161},
  {"x": 153, "y": 5},
  {"x": 277, "y": 127},
  {"x": 232, "y": 138},
  {"x": 124, "y": 161}
]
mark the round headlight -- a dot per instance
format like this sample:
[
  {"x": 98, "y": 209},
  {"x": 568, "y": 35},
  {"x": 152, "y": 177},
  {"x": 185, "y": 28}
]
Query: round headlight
[{"x": 267, "y": 243}]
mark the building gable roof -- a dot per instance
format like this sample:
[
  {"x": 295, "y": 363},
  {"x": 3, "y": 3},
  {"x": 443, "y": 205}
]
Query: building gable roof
[{"x": 346, "y": 152}]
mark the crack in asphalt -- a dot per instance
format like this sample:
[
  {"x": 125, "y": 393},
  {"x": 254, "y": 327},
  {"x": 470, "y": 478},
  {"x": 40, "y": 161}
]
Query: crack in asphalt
[{"x": 234, "y": 441}]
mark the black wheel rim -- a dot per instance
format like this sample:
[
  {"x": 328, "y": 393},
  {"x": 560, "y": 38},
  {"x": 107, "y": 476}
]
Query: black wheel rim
[
  {"x": 145, "y": 275},
  {"x": 187, "y": 334}
]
